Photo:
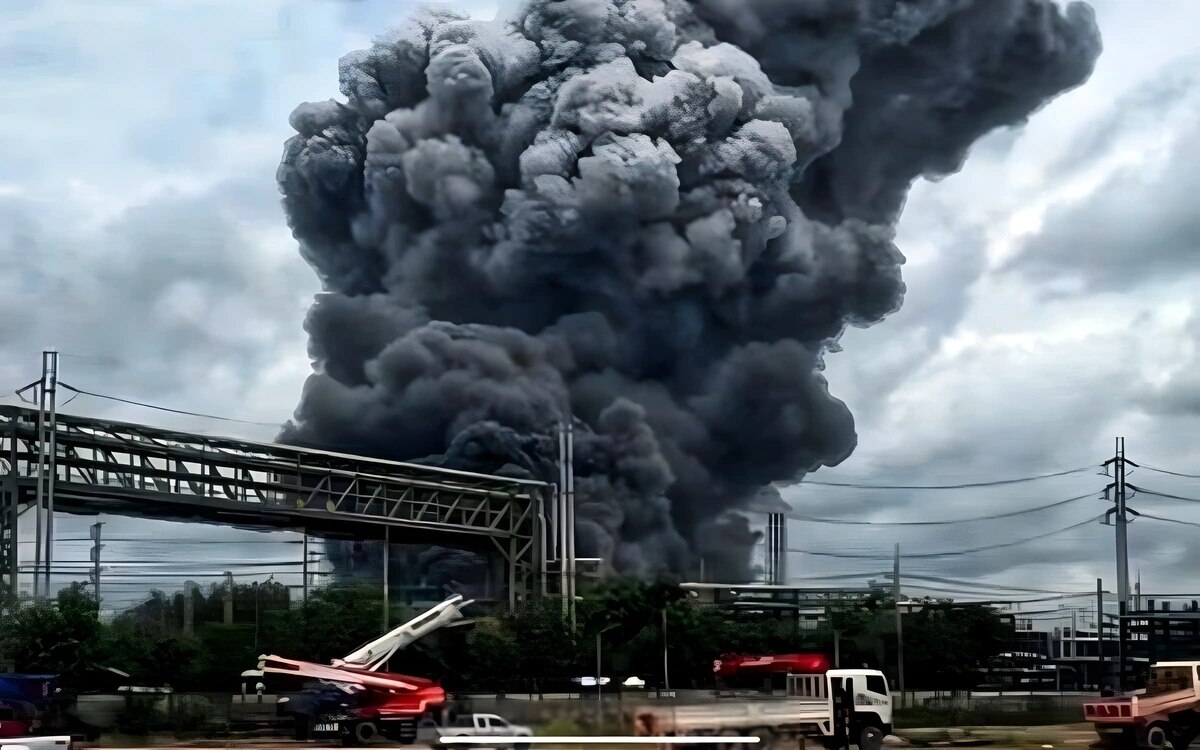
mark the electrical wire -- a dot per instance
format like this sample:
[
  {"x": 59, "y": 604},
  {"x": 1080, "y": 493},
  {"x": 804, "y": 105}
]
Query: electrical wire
[
  {"x": 177, "y": 575},
  {"x": 1172, "y": 473},
  {"x": 82, "y": 392},
  {"x": 1021, "y": 601},
  {"x": 176, "y": 540},
  {"x": 114, "y": 564},
  {"x": 1010, "y": 514},
  {"x": 993, "y": 483},
  {"x": 1168, "y": 520},
  {"x": 961, "y": 582},
  {"x": 952, "y": 553},
  {"x": 1164, "y": 494},
  {"x": 995, "y": 596}
]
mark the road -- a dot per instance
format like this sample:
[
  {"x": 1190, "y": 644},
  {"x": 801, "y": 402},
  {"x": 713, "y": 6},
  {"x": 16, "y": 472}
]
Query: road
[{"x": 1059, "y": 737}]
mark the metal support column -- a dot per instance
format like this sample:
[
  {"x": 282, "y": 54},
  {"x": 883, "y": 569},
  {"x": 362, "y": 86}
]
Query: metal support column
[
  {"x": 10, "y": 556},
  {"x": 512, "y": 574},
  {"x": 570, "y": 512},
  {"x": 304, "y": 570},
  {"x": 387, "y": 563},
  {"x": 1100, "y": 629}
]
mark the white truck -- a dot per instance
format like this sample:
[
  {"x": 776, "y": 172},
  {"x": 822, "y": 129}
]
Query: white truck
[
  {"x": 36, "y": 743},
  {"x": 474, "y": 725},
  {"x": 806, "y": 711},
  {"x": 1166, "y": 710}
]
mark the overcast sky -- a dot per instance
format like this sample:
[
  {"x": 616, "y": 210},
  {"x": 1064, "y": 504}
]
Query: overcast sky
[{"x": 1052, "y": 299}]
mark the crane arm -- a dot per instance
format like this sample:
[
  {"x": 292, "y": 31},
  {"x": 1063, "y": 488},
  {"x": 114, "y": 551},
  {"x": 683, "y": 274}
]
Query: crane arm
[{"x": 373, "y": 655}]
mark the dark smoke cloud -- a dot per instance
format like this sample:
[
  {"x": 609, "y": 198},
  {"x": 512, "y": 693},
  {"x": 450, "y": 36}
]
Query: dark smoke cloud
[{"x": 655, "y": 214}]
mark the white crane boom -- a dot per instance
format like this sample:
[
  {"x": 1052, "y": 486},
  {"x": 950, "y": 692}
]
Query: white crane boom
[{"x": 375, "y": 654}]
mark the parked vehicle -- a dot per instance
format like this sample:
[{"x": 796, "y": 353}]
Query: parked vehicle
[
  {"x": 1167, "y": 710},
  {"x": 37, "y": 743},
  {"x": 356, "y": 700},
  {"x": 808, "y": 710},
  {"x": 474, "y": 725}
]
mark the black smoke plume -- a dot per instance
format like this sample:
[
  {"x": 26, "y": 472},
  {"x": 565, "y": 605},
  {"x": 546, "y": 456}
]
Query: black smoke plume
[{"x": 657, "y": 215}]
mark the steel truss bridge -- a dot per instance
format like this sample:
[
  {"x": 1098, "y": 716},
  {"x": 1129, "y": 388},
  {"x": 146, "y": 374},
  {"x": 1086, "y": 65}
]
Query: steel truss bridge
[{"x": 101, "y": 466}]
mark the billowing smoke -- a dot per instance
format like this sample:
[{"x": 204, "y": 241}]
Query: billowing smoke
[{"x": 657, "y": 215}]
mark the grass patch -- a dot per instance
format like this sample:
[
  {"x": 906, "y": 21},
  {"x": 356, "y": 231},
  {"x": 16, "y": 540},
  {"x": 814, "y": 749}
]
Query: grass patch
[{"x": 914, "y": 718}]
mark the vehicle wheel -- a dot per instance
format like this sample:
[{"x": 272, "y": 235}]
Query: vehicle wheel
[
  {"x": 365, "y": 731},
  {"x": 870, "y": 738},
  {"x": 521, "y": 746},
  {"x": 1153, "y": 737}
]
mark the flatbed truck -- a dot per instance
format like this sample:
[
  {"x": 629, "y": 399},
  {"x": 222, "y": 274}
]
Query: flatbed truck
[{"x": 806, "y": 711}]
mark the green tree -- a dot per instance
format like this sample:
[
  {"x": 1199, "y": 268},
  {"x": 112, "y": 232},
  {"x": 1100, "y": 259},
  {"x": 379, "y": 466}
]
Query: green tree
[
  {"x": 152, "y": 654},
  {"x": 55, "y": 637},
  {"x": 947, "y": 645},
  {"x": 333, "y": 622}
]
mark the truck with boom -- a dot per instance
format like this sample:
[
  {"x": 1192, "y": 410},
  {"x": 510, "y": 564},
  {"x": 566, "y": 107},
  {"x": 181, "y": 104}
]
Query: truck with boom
[
  {"x": 808, "y": 710},
  {"x": 1166, "y": 710},
  {"x": 353, "y": 697}
]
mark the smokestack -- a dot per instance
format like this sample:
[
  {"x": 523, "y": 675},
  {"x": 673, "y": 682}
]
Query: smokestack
[{"x": 657, "y": 216}]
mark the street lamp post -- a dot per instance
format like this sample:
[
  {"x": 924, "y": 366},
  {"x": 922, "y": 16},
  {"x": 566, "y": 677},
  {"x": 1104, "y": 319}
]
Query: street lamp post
[{"x": 666, "y": 674}]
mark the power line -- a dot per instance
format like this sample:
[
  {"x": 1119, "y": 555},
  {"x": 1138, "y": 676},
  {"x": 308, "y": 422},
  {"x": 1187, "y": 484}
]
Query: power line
[
  {"x": 114, "y": 564},
  {"x": 1168, "y": 520},
  {"x": 179, "y": 575},
  {"x": 1172, "y": 473},
  {"x": 1010, "y": 514},
  {"x": 993, "y": 483},
  {"x": 982, "y": 584},
  {"x": 1164, "y": 494},
  {"x": 953, "y": 553},
  {"x": 1034, "y": 600},
  {"x": 178, "y": 540},
  {"x": 82, "y": 392}
]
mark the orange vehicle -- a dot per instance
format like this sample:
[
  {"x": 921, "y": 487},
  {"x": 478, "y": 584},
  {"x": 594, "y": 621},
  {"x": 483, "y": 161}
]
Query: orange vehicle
[{"x": 1167, "y": 710}]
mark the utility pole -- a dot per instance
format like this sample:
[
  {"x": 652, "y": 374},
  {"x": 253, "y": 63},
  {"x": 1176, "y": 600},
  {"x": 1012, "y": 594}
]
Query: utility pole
[
  {"x": 46, "y": 389},
  {"x": 1120, "y": 512},
  {"x": 51, "y": 388},
  {"x": 899, "y": 626},
  {"x": 96, "y": 528}
]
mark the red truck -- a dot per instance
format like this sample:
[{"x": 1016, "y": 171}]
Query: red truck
[{"x": 1167, "y": 710}]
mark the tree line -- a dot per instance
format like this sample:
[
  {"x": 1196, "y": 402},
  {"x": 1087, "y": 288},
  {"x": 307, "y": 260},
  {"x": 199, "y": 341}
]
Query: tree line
[{"x": 946, "y": 645}]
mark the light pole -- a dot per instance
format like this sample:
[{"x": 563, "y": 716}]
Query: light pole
[
  {"x": 599, "y": 679},
  {"x": 666, "y": 674}
]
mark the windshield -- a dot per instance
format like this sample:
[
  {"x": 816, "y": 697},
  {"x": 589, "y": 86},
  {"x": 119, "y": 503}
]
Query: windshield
[{"x": 1168, "y": 680}]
